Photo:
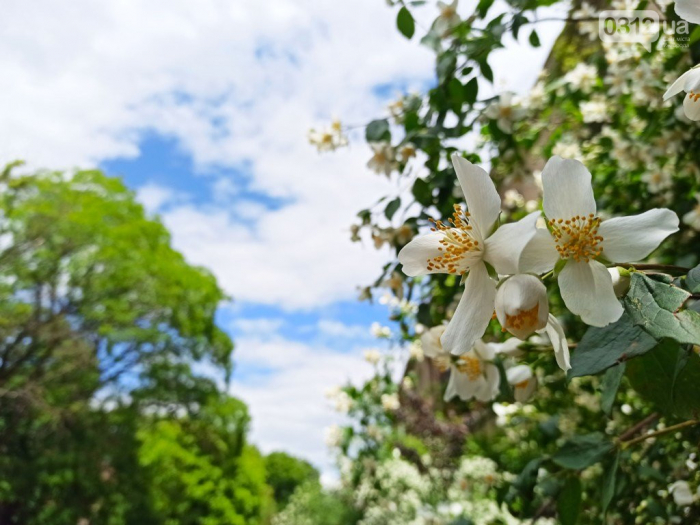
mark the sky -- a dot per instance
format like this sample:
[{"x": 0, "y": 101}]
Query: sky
[{"x": 203, "y": 109}]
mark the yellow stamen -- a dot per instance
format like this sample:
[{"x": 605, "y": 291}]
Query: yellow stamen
[
  {"x": 523, "y": 319},
  {"x": 469, "y": 365},
  {"x": 458, "y": 239},
  {"x": 577, "y": 238}
]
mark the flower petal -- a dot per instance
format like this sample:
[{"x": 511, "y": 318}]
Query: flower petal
[
  {"x": 473, "y": 312},
  {"x": 567, "y": 189},
  {"x": 414, "y": 256},
  {"x": 518, "y": 374},
  {"x": 691, "y": 106},
  {"x": 540, "y": 254},
  {"x": 688, "y": 10},
  {"x": 483, "y": 201},
  {"x": 630, "y": 239},
  {"x": 587, "y": 290},
  {"x": 487, "y": 386},
  {"x": 556, "y": 335},
  {"x": 678, "y": 86},
  {"x": 502, "y": 250},
  {"x": 459, "y": 385}
]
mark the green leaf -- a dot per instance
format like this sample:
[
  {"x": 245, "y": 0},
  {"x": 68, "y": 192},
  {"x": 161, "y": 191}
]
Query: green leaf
[
  {"x": 471, "y": 90},
  {"x": 522, "y": 489},
  {"x": 486, "y": 70},
  {"x": 583, "y": 451},
  {"x": 391, "y": 208},
  {"x": 378, "y": 131},
  {"x": 609, "y": 482},
  {"x": 601, "y": 348},
  {"x": 668, "y": 376},
  {"x": 534, "y": 39},
  {"x": 569, "y": 502},
  {"x": 654, "y": 305},
  {"x": 692, "y": 280},
  {"x": 405, "y": 23},
  {"x": 422, "y": 192},
  {"x": 609, "y": 385},
  {"x": 456, "y": 91},
  {"x": 483, "y": 7}
]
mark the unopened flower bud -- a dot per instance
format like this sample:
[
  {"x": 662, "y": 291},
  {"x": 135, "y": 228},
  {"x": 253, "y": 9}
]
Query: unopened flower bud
[
  {"x": 620, "y": 281},
  {"x": 523, "y": 381},
  {"x": 521, "y": 305}
]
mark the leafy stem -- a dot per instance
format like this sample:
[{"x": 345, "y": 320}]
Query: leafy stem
[{"x": 673, "y": 428}]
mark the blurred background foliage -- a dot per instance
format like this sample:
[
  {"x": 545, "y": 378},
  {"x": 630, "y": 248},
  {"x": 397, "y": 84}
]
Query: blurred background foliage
[{"x": 103, "y": 417}]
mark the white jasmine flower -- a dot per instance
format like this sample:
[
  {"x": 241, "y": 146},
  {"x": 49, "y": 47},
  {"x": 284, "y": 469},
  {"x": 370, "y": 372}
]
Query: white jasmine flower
[
  {"x": 504, "y": 112},
  {"x": 328, "y": 139},
  {"x": 383, "y": 160},
  {"x": 579, "y": 237},
  {"x": 688, "y": 10},
  {"x": 523, "y": 381},
  {"x": 447, "y": 19},
  {"x": 390, "y": 402},
  {"x": 681, "y": 492},
  {"x": 692, "y": 218},
  {"x": 690, "y": 83},
  {"x": 465, "y": 246},
  {"x": 372, "y": 356},
  {"x": 521, "y": 305},
  {"x": 474, "y": 375}
]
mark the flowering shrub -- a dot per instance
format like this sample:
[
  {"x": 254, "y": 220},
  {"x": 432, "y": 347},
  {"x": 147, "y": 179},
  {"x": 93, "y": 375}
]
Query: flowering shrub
[{"x": 552, "y": 372}]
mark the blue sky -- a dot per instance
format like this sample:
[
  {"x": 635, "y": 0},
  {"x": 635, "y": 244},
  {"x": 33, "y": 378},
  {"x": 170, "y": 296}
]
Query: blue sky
[{"x": 203, "y": 107}]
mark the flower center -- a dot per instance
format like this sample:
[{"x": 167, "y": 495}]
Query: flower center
[
  {"x": 522, "y": 384},
  {"x": 469, "y": 365},
  {"x": 694, "y": 96},
  {"x": 524, "y": 319},
  {"x": 458, "y": 240},
  {"x": 577, "y": 238}
]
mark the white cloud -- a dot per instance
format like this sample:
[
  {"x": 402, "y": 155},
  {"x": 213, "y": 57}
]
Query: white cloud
[
  {"x": 287, "y": 399},
  {"x": 258, "y": 326},
  {"x": 339, "y": 329}
]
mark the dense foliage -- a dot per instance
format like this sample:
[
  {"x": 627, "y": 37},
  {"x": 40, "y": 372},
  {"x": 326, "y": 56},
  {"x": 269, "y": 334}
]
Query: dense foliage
[
  {"x": 612, "y": 435},
  {"x": 103, "y": 419}
]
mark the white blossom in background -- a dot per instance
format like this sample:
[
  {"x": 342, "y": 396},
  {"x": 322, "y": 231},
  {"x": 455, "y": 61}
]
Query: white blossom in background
[
  {"x": 692, "y": 218},
  {"x": 390, "y": 402},
  {"x": 567, "y": 150},
  {"x": 688, "y": 10},
  {"x": 657, "y": 179},
  {"x": 379, "y": 331},
  {"x": 595, "y": 110},
  {"x": 340, "y": 399},
  {"x": 328, "y": 139},
  {"x": 505, "y": 112},
  {"x": 583, "y": 77},
  {"x": 579, "y": 237},
  {"x": 448, "y": 18},
  {"x": 333, "y": 436},
  {"x": 372, "y": 356},
  {"x": 682, "y": 495},
  {"x": 523, "y": 381},
  {"x": 465, "y": 245},
  {"x": 585, "y": 27},
  {"x": 690, "y": 83},
  {"x": 383, "y": 161}
]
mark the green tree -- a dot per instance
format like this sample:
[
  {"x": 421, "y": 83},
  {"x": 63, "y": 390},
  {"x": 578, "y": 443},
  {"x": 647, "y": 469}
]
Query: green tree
[{"x": 286, "y": 473}]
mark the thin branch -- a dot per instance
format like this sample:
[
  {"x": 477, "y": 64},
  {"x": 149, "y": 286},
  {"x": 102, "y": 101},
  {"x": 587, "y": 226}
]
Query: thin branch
[
  {"x": 630, "y": 432},
  {"x": 668, "y": 430},
  {"x": 660, "y": 267}
]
